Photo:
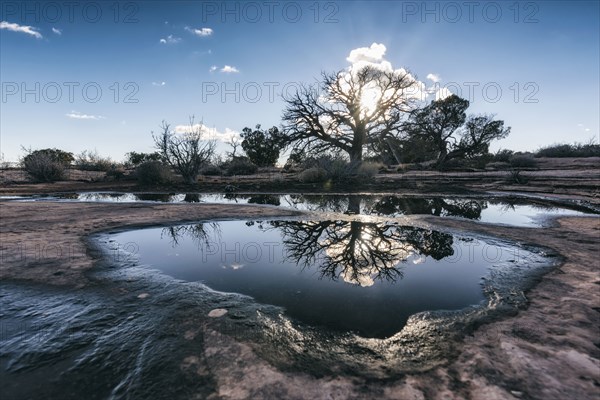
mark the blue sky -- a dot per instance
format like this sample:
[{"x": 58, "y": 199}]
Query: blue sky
[{"x": 533, "y": 64}]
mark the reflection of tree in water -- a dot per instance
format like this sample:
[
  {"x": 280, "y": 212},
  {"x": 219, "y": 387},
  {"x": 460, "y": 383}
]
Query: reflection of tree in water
[
  {"x": 162, "y": 197},
  {"x": 334, "y": 203},
  {"x": 191, "y": 198},
  {"x": 391, "y": 205},
  {"x": 359, "y": 252},
  {"x": 201, "y": 234},
  {"x": 264, "y": 199}
]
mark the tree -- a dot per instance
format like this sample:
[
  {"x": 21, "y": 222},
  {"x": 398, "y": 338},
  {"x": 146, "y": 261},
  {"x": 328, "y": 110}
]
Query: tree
[
  {"x": 352, "y": 111},
  {"x": 445, "y": 125},
  {"x": 438, "y": 123},
  {"x": 262, "y": 146},
  {"x": 185, "y": 152},
  {"x": 479, "y": 131}
]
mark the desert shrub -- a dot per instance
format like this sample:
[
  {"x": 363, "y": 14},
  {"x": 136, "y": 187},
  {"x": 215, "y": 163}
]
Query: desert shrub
[
  {"x": 211, "y": 170},
  {"x": 153, "y": 173},
  {"x": 134, "y": 158},
  {"x": 312, "y": 175},
  {"x": 241, "y": 166},
  {"x": 498, "y": 165},
  {"x": 338, "y": 169},
  {"x": 570, "y": 150},
  {"x": 514, "y": 176},
  {"x": 92, "y": 161},
  {"x": 44, "y": 165},
  {"x": 503, "y": 155},
  {"x": 368, "y": 170},
  {"x": 115, "y": 172},
  {"x": 522, "y": 161}
]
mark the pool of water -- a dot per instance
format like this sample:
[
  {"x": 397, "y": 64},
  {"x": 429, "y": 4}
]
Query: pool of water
[
  {"x": 347, "y": 276},
  {"x": 514, "y": 212}
]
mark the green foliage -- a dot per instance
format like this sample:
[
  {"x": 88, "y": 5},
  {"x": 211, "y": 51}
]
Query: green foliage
[
  {"x": 153, "y": 173},
  {"x": 46, "y": 165},
  {"x": 570, "y": 150},
  {"x": 417, "y": 149},
  {"x": 92, "y": 161},
  {"x": 241, "y": 166},
  {"x": 262, "y": 146},
  {"x": 134, "y": 158}
]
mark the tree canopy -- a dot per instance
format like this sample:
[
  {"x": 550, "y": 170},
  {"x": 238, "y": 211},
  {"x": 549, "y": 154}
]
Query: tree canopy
[
  {"x": 262, "y": 146},
  {"x": 444, "y": 124}
]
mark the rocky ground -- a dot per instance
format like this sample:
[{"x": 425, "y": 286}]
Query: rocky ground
[{"x": 551, "y": 350}]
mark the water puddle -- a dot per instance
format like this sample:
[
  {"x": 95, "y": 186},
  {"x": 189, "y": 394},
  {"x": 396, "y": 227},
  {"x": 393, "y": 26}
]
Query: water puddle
[
  {"x": 506, "y": 211},
  {"x": 349, "y": 276}
]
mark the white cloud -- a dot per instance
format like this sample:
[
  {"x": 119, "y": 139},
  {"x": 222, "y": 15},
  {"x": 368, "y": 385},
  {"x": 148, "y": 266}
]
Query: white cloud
[
  {"x": 213, "y": 68},
  {"x": 229, "y": 69},
  {"x": 57, "y": 31},
  {"x": 163, "y": 83},
  {"x": 170, "y": 40},
  {"x": 435, "y": 78},
  {"x": 30, "y": 30},
  {"x": 199, "y": 32},
  {"x": 78, "y": 115},
  {"x": 209, "y": 133},
  {"x": 372, "y": 54}
]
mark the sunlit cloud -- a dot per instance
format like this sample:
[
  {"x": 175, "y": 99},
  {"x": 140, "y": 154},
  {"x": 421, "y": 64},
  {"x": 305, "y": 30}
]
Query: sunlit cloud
[
  {"x": 213, "y": 68},
  {"x": 30, "y": 30},
  {"x": 228, "y": 69},
  {"x": 435, "y": 78},
  {"x": 78, "y": 115},
  {"x": 203, "y": 32},
  {"x": 208, "y": 133},
  {"x": 57, "y": 31},
  {"x": 159, "y": 83},
  {"x": 170, "y": 40}
]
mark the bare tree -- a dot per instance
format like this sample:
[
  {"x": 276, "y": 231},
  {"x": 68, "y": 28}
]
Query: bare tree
[
  {"x": 234, "y": 142},
  {"x": 185, "y": 152},
  {"x": 351, "y": 111}
]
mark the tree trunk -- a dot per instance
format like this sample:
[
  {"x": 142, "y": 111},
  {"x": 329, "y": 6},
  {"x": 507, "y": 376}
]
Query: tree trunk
[
  {"x": 442, "y": 156},
  {"x": 191, "y": 180},
  {"x": 358, "y": 141}
]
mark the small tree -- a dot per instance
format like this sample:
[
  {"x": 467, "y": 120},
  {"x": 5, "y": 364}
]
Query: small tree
[
  {"x": 262, "y": 146},
  {"x": 185, "y": 152},
  {"x": 444, "y": 124},
  {"x": 437, "y": 123}
]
